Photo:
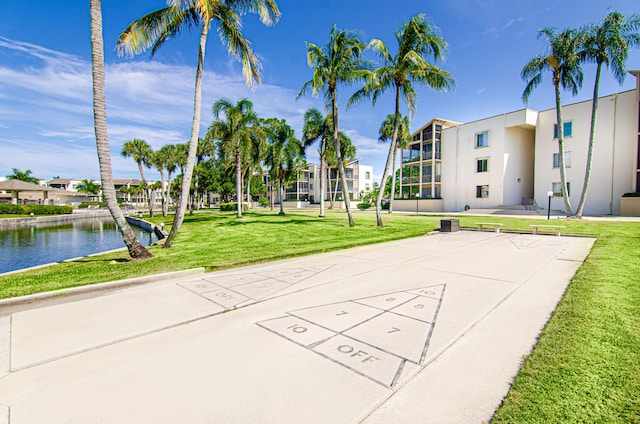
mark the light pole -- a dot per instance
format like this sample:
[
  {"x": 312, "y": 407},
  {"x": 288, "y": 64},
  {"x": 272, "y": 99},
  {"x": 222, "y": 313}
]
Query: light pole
[
  {"x": 417, "y": 199},
  {"x": 549, "y": 195}
]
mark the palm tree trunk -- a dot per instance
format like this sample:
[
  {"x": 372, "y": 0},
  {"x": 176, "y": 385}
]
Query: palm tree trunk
[
  {"x": 322, "y": 172},
  {"x": 390, "y": 155},
  {"x": 281, "y": 195},
  {"x": 239, "y": 179},
  {"x": 393, "y": 180},
  {"x": 135, "y": 248},
  {"x": 336, "y": 137},
  {"x": 563, "y": 169},
  {"x": 146, "y": 187},
  {"x": 193, "y": 143},
  {"x": 592, "y": 132},
  {"x": 163, "y": 198},
  {"x": 248, "y": 188}
]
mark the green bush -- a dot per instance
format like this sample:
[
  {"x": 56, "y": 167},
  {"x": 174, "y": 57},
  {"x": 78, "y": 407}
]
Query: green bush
[
  {"x": 263, "y": 201},
  {"x": 85, "y": 205},
  {"x": 228, "y": 207},
  {"x": 34, "y": 209},
  {"x": 364, "y": 206}
]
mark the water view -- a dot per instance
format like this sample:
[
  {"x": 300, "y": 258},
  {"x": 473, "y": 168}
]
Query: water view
[{"x": 37, "y": 245}]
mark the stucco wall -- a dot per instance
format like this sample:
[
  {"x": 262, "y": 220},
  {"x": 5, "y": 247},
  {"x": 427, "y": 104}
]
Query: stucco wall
[{"x": 612, "y": 171}]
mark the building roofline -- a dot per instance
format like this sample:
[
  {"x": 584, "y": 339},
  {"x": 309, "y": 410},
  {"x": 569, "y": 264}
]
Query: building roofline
[{"x": 590, "y": 99}]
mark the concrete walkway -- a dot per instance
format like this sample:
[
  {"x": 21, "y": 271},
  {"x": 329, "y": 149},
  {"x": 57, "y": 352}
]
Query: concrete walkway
[{"x": 423, "y": 330}]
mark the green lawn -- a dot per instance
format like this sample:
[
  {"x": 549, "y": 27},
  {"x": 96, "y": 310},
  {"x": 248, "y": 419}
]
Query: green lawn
[{"x": 584, "y": 369}]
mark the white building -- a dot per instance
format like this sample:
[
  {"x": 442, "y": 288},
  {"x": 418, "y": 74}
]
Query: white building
[
  {"x": 307, "y": 185},
  {"x": 512, "y": 159}
]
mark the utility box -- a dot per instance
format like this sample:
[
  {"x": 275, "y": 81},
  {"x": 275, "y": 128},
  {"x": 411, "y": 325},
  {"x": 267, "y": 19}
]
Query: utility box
[{"x": 449, "y": 225}]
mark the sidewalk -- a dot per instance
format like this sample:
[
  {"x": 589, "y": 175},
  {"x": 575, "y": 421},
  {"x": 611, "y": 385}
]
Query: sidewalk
[{"x": 430, "y": 329}]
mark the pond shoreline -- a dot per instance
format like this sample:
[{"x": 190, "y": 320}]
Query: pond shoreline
[{"x": 8, "y": 223}]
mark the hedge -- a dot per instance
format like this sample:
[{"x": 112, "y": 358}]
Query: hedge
[
  {"x": 228, "y": 207},
  {"x": 364, "y": 205},
  {"x": 12, "y": 209}
]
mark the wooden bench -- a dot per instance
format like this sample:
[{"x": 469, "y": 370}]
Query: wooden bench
[
  {"x": 555, "y": 228},
  {"x": 493, "y": 225}
]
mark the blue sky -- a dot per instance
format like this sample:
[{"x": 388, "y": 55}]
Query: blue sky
[{"x": 45, "y": 81}]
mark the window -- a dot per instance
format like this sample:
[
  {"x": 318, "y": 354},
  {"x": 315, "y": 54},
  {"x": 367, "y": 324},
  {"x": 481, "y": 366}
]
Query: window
[
  {"x": 482, "y": 140},
  {"x": 567, "y": 160},
  {"x": 427, "y": 171},
  {"x": 367, "y": 175},
  {"x": 567, "y": 129},
  {"x": 557, "y": 189},
  {"x": 311, "y": 175},
  {"x": 482, "y": 191},
  {"x": 427, "y": 151},
  {"x": 482, "y": 165}
]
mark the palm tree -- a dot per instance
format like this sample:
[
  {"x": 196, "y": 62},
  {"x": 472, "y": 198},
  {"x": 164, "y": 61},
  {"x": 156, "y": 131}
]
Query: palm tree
[
  {"x": 284, "y": 153},
  {"x": 339, "y": 61},
  {"x": 418, "y": 41},
  {"x": 159, "y": 160},
  {"x": 166, "y": 158},
  {"x": 236, "y": 133},
  {"x": 142, "y": 154},
  {"x": 22, "y": 176},
  {"x": 403, "y": 138},
  {"x": 319, "y": 128},
  {"x": 205, "y": 148},
  {"x": 563, "y": 61},
  {"x": 87, "y": 186},
  {"x": 136, "y": 250},
  {"x": 606, "y": 44},
  {"x": 254, "y": 159},
  {"x": 347, "y": 152},
  {"x": 153, "y": 29}
]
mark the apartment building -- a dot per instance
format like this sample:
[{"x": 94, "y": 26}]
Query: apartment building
[
  {"x": 512, "y": 159},
  {"x": 307, "y": 185}
]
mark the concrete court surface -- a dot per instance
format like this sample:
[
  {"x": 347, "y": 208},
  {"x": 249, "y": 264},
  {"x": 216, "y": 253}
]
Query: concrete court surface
[{"x": 425, "y": 330}]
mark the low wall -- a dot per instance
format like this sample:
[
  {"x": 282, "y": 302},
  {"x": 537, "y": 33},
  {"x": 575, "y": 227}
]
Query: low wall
[
  {"x": 52, "y": 219},
  {"x": 423, "y": 205},
  {"x": 630, "y": 206},
  {"x": 147, "y": 226}
]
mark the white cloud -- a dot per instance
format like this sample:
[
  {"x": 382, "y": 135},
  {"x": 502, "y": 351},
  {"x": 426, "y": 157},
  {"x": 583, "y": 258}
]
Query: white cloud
[{"x": 46, "y": 107}]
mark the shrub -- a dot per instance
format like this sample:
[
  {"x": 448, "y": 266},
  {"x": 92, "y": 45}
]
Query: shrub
[
  {"x": 263, "y": 201},
  {"x": 85, "y": 205},
  {"x": 364, "y": 206},
  {"x": 34, "y": 209},
  {"x": 228, "y": 207},
  {"x": 631, "y": 195}
]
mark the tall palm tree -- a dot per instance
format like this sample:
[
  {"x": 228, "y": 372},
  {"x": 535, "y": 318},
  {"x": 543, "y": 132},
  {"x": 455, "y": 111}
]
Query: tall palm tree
[
  {"x": 418, "y": 42},
  {"x": 22, "y": 176},
  {"x": 319, "y": 128},
  {"x": 254, "y": 159},
  {"x": 283, "y": 155},
  {"x": 563, "y": 61},
  {"x": 153, "y": 29},
  {"x": 135, "y": 248},
  {"x": 158, "y": 160},
  {"x": 142, "y": 154},
  {"x": 347, "y": 153},
  {"x": 205, "y": 149},
  {"x": 403, "y": 137},
  {"x": 339, "y": 61},
  {"x": 167, "y": 155},
  {"x": 236, "y": 133},
  {"x": 606, "y": 44}
]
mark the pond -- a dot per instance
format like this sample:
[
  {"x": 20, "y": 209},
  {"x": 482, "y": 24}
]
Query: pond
[{"x": 25, "y": 247}]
